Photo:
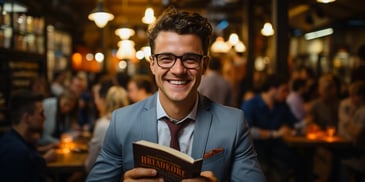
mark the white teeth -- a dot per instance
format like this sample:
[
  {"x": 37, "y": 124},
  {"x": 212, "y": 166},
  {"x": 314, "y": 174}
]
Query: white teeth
[{"x": 178, "y": 82}]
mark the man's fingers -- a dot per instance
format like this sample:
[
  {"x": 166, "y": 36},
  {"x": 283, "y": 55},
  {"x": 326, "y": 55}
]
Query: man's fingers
[{"x": 140, "y": 173}]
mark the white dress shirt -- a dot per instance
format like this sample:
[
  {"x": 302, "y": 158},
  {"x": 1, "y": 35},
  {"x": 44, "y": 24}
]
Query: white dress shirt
[{"x": 187, "y": 133}]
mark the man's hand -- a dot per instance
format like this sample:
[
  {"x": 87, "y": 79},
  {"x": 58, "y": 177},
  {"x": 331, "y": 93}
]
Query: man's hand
[
  {"x": 50, "y": 156},
  {"x": 141, "y": 174},
  {"x": 285, "y": 131},
  {"x": 205, "y": 176}
]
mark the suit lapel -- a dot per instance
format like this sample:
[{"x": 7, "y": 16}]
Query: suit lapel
[
  {"x": 202, "y": 127},
  {"x": 148, "y": 126}
]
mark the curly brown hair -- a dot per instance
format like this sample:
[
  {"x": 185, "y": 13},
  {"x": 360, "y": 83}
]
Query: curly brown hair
[{"x": 182, "y": 23}]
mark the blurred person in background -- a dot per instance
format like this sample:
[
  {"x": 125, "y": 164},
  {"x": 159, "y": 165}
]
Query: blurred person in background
[
  {"x": 79, "y": 85},
  {"x": 351, "y": 126},
  {"x": 140, "y": 87},
  {"x": 57, "y": 84},
  {"x": 270, "y": 119},
  {"x": 324, "y": 108},
  {"x": 60, "y": 113},
  {"x": 214, "y": 86},
  {"x": 108, "y": 99},
  {"x": 324, "y": 113},
  {"x": 349, "y": 106},
  {"x": 295, "y": 99},
  {"x": 122, "y": 79},
  {"x": 358, "y": 73},
  {"x": 19, "y": 159}
]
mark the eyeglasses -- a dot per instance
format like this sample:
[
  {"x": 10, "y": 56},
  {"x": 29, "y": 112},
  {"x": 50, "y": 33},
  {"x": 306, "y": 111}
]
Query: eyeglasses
[{"x": 167, "y": 60}]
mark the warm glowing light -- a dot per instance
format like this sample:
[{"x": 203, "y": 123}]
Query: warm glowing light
[
  {"x": 77, "y": 57},
  {"x": 233, "y": 39},
  {"x": 260, "y": 64},
  {"x": 99, "y": 57},
  {"x": 89, "y": 57},
  {"x": 76, "y": 60},
  {"x": 240, "y": 47},
  {"x": 311, "y": 136},
  {"x": 140, "y": 55},
  {"x": 124, "y": 33},
  {"x": 149, "y": 16},
  {"x": 330, "y": 130},
  {"x": 326, "y": 1},
  {"x": 126, "y": 50},
  {"x": 219, "y": 46},
  {"x": 147, "y": 52},
  {"x": 267, "y": 29},
  {"x": 100, "y": 16},
  {"x": 122, "y": 64},
  {"x": 66, "y": 143}
]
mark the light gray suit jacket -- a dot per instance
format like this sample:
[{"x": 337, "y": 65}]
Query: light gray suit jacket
[{"x": 216, "y": 126}]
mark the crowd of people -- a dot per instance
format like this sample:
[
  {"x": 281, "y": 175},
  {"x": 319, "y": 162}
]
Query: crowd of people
[{"x": 185, "y": 84}]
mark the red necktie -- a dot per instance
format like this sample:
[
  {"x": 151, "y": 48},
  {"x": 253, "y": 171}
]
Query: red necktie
[{"x": 174, "y": 131}]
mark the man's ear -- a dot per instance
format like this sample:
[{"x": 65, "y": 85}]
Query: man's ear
[
  {"x": 25, "y": 118},
  {"x": 205, "y": 63},
  {"x": 152, "y": 63}
]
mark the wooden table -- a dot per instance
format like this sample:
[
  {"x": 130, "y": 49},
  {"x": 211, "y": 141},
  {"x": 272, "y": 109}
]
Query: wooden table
[
  {"x": 307, "y": 147},
  {"x": 68, "y": 162},
  {"x": 308, "y": 141}
]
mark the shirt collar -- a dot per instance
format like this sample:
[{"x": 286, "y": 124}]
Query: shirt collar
[{"x": 162, "y": 113}]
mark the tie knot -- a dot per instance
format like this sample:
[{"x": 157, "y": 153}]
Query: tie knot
[{"x": 175, "y": 131}]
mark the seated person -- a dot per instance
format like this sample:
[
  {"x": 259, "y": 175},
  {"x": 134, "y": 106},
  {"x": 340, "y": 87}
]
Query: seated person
[
  {"x": 354, "y": 129},
  {"x": 61, "y": 114},
  {"x": 270, "y": 118},
  {"x": 113, "y": 97},
  {"x": 19, "y": 159},
  {"x": 349, "y": 106},
  {"x": 324, "y": 109}
]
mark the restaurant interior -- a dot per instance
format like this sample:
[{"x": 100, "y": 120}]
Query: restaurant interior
[{"x": 41, "y": 37}]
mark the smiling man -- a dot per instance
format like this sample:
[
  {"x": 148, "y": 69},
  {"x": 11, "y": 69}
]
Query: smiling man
[{"x": 179, "y": 42}]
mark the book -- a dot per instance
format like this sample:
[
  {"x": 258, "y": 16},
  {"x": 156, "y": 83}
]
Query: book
[{"x": 171, "y": 164}]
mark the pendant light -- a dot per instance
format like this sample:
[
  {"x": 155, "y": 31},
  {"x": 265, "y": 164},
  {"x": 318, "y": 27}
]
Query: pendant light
[{"x": 100, "y": 15}]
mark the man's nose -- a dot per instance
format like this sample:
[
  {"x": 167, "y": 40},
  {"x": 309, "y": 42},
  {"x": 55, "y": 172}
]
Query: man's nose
[{"x": 178, "y": 67}]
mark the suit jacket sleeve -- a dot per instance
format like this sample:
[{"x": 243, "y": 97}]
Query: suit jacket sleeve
[{"x": 245, "y": 164}]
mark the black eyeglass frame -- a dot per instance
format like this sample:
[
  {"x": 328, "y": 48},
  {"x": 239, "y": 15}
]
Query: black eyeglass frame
[{"x": 199, "y": 60}]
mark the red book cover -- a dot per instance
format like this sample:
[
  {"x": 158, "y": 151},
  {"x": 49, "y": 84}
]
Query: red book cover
[{"x": 171, "y": 164}]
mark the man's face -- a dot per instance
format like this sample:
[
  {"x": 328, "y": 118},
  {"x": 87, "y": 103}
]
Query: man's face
[
  {"x": 66, "y": 105},
  {"x": 99, "y": 102},
  {"x": 36, "y": 119},
  {"x": 133, "y": 91},
  {"x": 177, "y": 84},
  {"x": 282, "y": 92}
]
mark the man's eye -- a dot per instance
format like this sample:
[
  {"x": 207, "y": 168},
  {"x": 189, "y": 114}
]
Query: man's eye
[
  {"x": 191, "y": 58},
  {"x": 165, "y": 58}
]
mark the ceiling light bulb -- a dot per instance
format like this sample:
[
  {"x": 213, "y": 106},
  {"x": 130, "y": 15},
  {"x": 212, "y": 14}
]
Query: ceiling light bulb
[
  {"x": 326, "y": 1},
  {"x": 233, "y": 39},
  {"x": 126, "y": 49},
  {"x": 240, "y": 47},
  {"x": 267, "y": 30},
  {"x": 149, "y": 16},
  {"x": 124, "y": 33},
  {"x": 100, "y": 16},
  {"x": 220, "y": 46}
]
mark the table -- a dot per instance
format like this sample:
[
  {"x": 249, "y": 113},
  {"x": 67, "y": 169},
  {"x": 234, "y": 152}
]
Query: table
[
  {"x": 67, "y": 162},
  {"x": 308, "y": 141},
  {"x": 308, "y": 147},
  {"x": 70, "y": 160}
]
